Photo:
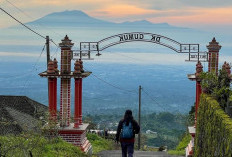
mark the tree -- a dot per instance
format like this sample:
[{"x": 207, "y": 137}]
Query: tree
[{"x": 217, "y": 86}]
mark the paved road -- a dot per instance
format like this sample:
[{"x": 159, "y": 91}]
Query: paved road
[{"x": 117, "y": 153}]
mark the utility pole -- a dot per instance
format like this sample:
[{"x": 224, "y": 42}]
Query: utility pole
[
  {"x": 139, "y": 135},
  {"x": 48, "y": 58},
  {"x": 48, "y": 49}
]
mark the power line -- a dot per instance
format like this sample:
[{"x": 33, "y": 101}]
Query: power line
[
  {"x": 119, "y": 88},
  {"x": 54, "y": 43},
  {"x": 55, "y": 53},
  {"x": 33, "y": 67},
  {"x": 19, "y": 9},
  {"x": 26, "y": 74},
  {"x": 26, "y": 25},
  {"x": 100, "y": 98},
  {"x": 22, "y": 24},
  {"x": 153, "y": 100},
  {"x": 31, "y": 17}
]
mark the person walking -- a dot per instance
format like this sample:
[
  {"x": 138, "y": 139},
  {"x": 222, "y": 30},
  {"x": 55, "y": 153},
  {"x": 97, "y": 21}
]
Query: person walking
[{"x": 127, "y": 128}]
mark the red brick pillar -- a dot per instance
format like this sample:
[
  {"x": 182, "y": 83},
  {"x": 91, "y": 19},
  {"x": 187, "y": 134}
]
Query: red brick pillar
[
  {"x": 77, "y": 103},
  {"x": 213, "y": 49},
  {"x": 52, "y": 91},
  {"x": 80, "y": 102},
  {"x": 78, "y": 93},
  {"x": 65, "y": 72}
]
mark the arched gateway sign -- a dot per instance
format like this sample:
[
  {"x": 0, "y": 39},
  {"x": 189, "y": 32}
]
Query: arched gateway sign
[{"x": 87, "y": 47}]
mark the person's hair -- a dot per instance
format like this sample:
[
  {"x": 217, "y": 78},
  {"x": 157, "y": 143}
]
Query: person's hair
[{"x": 128, "y": 116}]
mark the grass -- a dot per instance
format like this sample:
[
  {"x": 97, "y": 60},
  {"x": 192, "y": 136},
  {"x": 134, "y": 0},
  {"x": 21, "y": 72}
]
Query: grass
[
  {"x": 99, "y": 144},
  {"x": 180, "y": 149},
  {"x": 36, "y": 145}
]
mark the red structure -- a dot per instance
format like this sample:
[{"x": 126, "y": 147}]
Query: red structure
[
  {"x": 199, "y": 69},
  {"x": 226, "y": 67},
  {"x": 52, "y": 89},
  {"x": 192, "y": 129},
  {"x": 78, "y": 94},
  {"x": 213, "y": 57},
  {"x": 74, "y": 133}
]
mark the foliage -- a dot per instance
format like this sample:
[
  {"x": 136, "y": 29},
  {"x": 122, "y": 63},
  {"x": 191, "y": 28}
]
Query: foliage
[
  {"x": 89, "y": 120},
  {"x": 209, "y": 82},
  {"x": 214, "y": 130},
  {"x": 99, "y": 143},
  {"x": 180, "y": 149},
  {"x": 191, "y": 116},
  {"x": 217, "y": 86},
  {"x": 36, "y": 145},
  {"x": 168, "y": 126}
]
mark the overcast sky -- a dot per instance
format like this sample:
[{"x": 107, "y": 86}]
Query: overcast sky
[{"x": 203, "y": 14}]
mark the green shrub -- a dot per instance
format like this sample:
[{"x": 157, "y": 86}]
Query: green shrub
[
  {"x": 217, "y": 86},
  {"x": 99, "y": 144},
  {"x": 214, "y": 130},
  {"x": 180, "y": 149},
  {"x": 36, "y": 145}
]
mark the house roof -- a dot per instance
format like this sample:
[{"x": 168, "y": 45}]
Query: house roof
[{"x": 20, "y": 113}]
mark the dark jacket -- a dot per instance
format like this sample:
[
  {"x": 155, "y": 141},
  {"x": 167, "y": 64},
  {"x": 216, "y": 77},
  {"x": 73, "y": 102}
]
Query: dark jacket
[{"x": 136, "y": 129}]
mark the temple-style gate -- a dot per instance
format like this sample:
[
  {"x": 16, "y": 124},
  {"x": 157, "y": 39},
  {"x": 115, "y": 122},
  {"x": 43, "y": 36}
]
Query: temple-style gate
[
  {"x": 213, "y": 60},
  {"x": 76, "y": 132}
]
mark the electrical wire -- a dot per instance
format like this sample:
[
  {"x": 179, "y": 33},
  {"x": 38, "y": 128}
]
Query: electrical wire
[
  {"x": 22, "y": 24},
  {"x": 27, "y": 26},
  {"x": 19, "y": 9},
  {"x": 33, "y": 68},
  {"x": 30, "y": 16},
  {"x": 27, "y": 73},
  {"x": 55, "y": 54},
  {"x": 159, "y": 105},
  {"x": 153, "y": 99},
  {"x": 99, "y": 98},
  {"x": 112, "y": 85}
]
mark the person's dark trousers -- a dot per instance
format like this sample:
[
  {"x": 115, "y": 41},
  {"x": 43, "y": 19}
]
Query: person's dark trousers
[{"x": 127, "y": 147}]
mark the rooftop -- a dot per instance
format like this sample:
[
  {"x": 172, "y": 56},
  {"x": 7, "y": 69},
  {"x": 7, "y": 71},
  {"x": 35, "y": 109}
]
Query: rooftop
[{"x": 19, "y": 113}]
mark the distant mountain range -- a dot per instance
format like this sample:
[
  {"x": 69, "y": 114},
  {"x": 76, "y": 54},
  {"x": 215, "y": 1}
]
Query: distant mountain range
[
  {"x": 78, "y": 18},
  {"x": 82, "y": 27}
]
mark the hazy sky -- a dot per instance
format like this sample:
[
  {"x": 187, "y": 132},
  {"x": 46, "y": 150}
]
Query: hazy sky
[{"x": 204, "y": 14}]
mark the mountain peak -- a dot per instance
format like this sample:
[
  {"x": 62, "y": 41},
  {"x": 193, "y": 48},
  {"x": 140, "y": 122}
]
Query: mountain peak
[
  {"x": 137, "y": 22},
  {"x": 70, "y": 13},
  {"x": 77, "y": 18}
]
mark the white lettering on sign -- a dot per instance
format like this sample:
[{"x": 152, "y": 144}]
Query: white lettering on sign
[
  {"x": 200, "y": 56},
  {"x": 139, "y": 36}
]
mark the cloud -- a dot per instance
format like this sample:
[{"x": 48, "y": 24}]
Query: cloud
[
  {"x": 179, "y": 4},
  {"x": 122, "y": 11},
  {"x": 18, "y": 54},
  {"x": 197, "y": 16},
  {"x": 178, "y": 12}
]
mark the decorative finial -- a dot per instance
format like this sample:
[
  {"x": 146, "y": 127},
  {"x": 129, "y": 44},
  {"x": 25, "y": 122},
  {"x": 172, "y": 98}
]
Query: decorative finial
[
  {"x": 199, "y": 69},
  {"x": 213, "y": 46},
  {"x": 51, "y": 69},
  {"x": 226, "y": 67},
  {"x": 77, "y": 68},
  {"x": 55, "y": 65},
  {"x": 80, "y": 61},
  {"x": 66, "y": 42},
  {"x": 214, "y": 40}
]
